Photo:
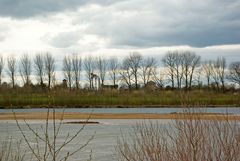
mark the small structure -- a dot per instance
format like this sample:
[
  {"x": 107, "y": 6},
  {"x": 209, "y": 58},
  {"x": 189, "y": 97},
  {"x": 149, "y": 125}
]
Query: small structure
[
  {"x": 109, "y": 87},
  {"x": 151, "y": 85},
  {"x": 64, "y": 83},
  {"x": 95, "y": 81}
]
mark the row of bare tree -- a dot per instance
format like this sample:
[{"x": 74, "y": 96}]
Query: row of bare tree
[
  {"x": 181, "y": 69},
  {"x": 44, "y": 66},
  {"x": 182, "y": 65}
]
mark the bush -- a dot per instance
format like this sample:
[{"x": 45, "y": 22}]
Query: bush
[
  {"x": 11, "y": 151},
  {"x": 183, "y": 140},
  {"x": 46, "y": 144}
]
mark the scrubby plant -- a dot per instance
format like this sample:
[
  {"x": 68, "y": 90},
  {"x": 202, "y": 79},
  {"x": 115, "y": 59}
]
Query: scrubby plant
[{"x": 191, "y": 139}]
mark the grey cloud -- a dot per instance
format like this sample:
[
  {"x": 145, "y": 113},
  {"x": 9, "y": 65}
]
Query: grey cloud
[
  {"x": 63, "y": 40},
  {"x": 30, "y": 8},
  {"x": 140, "y": 23},
  {"x": 183, "y": 22}
]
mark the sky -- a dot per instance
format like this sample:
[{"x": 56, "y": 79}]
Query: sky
[{"x": 211, "y": 28}]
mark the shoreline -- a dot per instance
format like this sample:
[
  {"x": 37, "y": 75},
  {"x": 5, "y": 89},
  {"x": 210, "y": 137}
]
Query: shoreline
[
  {"x": 79, "y": 116},
  {"x": 119, "y": 106}
]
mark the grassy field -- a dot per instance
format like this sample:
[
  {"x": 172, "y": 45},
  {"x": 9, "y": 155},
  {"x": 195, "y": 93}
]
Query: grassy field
[{"x": 121, "y": 99}]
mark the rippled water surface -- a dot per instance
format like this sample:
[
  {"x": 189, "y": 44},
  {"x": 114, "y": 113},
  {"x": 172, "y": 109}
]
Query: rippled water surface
[
  {"x": 102, "y": 146},
  {"x": 105, "y": 134},
  {"x": 130, "y": 110}
]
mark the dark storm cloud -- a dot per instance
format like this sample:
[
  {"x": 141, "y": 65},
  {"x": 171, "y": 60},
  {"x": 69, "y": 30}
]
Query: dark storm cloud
[
  {"x": 29, "y": 8},
  {"x": 139, "y": 23},
  {"x": 160, "y": 23}
]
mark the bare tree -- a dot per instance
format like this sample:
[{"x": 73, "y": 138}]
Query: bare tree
[
  {"x": 234, "y": 72},
  {"x": 218, "y": 72},
  {"x": 11, "y": 150},
  {"x": 49, "y": 64},
  {"x": 25, "y": 69},
  {"x": 220, "y": 67},
  {"x": 12, "y": 67},
  {"x": 77, "y": 68},
  {"x": 207, "y": 68},
  {"x": 89, "y": 67},
  {"x": 101, "y": 66},
  {"x": 174, "y": 62},
  {"x": 158, "y": 77},
  {"x": 147, "y": 69},
  {"x": 67, "y": 70},
  {"x": 1, "y": 68},
  {"x": 178, "y": 68},
  {"x": 169, "y": 62},
  {"x": 113, "y": 69},
  {"x": 135, "y": 60},
  {"x": 190, "y": 62},
  {"x": 46, "y": 145},
  {"x": 191, "y": 139},
  {"x": 198, "y": 76},
  {"x": 215, "y": 76},
  {"x": 39, "y": 68},
  {"x": 126, "y": 73}
]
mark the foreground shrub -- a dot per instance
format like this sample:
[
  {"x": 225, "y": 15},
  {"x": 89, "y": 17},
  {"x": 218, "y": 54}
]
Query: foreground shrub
[
  {"x": 182, "y": 140},
  {"x": 46, "y": 144},
  {"x": 11, "y": 151}
]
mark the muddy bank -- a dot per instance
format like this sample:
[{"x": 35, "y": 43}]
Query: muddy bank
[{"x": 68, "y": 116}]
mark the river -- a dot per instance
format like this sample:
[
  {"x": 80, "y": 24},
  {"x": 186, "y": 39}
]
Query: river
[{"x": 105, "y": 134}]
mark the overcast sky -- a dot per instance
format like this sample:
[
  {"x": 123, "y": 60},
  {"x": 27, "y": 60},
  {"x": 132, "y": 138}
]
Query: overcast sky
[{"x": 211, "y": 28}]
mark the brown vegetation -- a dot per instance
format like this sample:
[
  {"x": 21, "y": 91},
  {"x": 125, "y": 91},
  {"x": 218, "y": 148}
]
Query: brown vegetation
[
  {"x": 192, "y": 139},
  {"x": 46, "y": 144}
]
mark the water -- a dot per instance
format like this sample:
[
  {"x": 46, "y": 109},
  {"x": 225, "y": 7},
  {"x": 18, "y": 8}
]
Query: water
[
  {"x": 230, "y": 110},
  {"x": 105, "y": 134},
  {"x": 102, "y": 146}
]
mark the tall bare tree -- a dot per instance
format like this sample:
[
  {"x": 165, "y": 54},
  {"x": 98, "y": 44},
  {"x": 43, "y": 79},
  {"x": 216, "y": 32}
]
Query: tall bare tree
[
  {"x": 207, "y": 68},
  {"x": 25, "y": 69},
  {"x": 89, "y": 67},
  {"x": 215, "y": 76},
  {"x": 147, "y": 68},
  {"x": 1, "y": 68},
  {"x": 174, "y": 62},
  {"x": 39, "y": 68},
  {"x": 190, "y": 62},
  {"x": 178, "y": 68},
  {"x": 234, "y": 72},
  {"x": 49, "y": 66},
  {"x": 67, "y": 70},
  {"x": 113, "y": 69},
  {"x": 158, "y": 77},
  {"x": 11, "y": 70},
  {"x": 135, "y": 60},
  {"x": 126, "y": 73},
  {"x": 169, "y": 62},
  {"x": 220, "y": 66},
  {"x": 101, "y": 66},
  {"x": 218, "y": 72},
  {"x": 77, "y": 68}
]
